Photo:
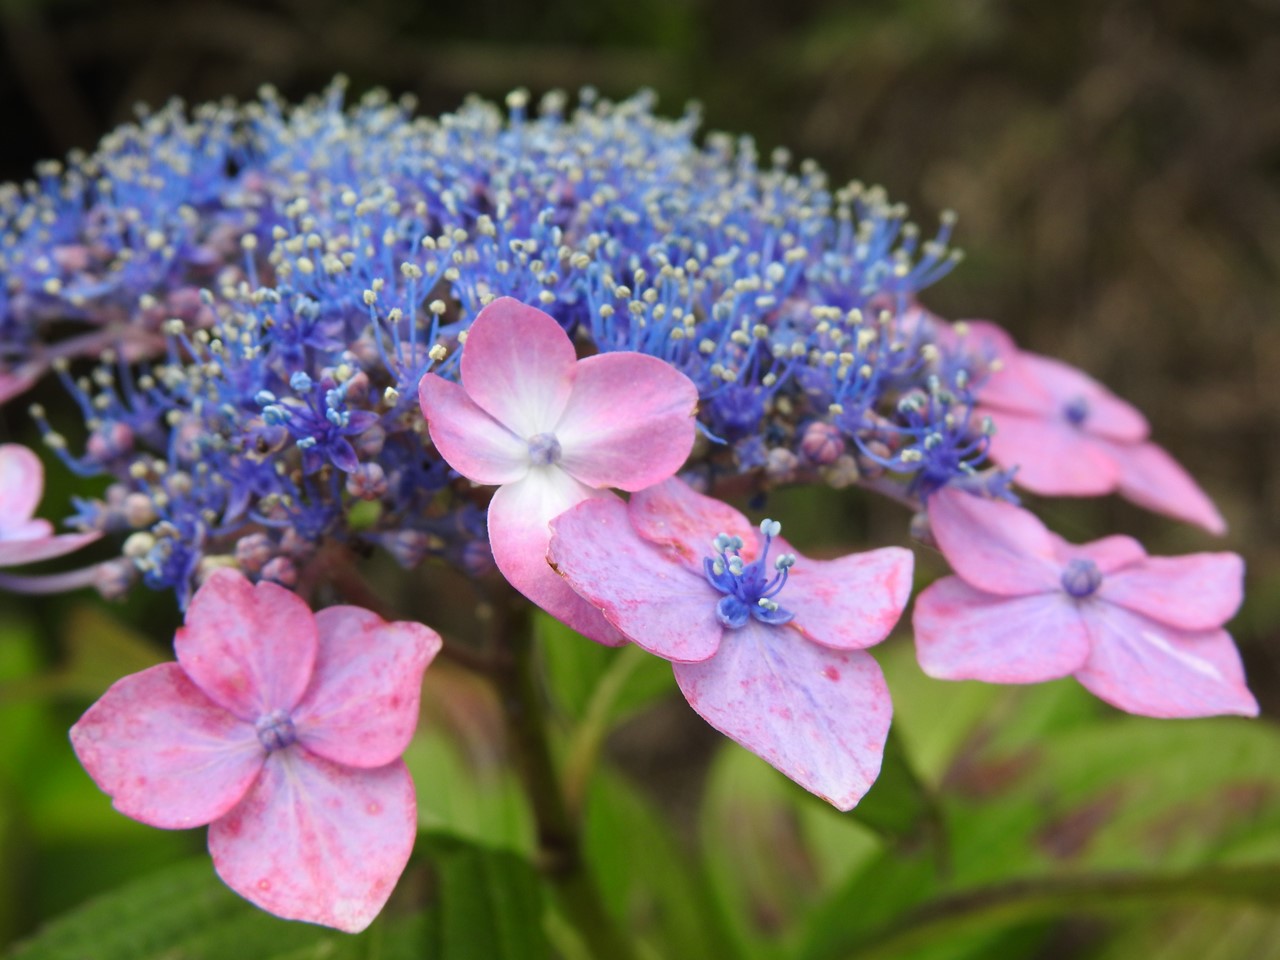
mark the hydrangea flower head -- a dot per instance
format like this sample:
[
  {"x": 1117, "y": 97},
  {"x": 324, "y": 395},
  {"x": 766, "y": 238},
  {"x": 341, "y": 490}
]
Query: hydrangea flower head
[
  {"x": 1143, "y": 633},
  {"x": 551, "y": 431},
  {"x": 767, "y": 645},
  {"x": 25, "y": 538},
  {"x": 283, "y": 731}
]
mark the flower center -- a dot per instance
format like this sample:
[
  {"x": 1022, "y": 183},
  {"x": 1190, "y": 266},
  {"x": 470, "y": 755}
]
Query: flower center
[
  {"x": 544, "y": 449},
  {"x": 275, "y": 730},
  {"x": 748, "y": 592},
  {"x": 1081, "y": 578},
  {"x": 1076, "y": 411}
]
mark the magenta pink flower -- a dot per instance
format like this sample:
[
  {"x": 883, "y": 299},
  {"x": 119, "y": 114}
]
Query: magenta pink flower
[
  {"x": 24, "y": 538},
  {"x": 283, "y": 731},
  {"x": 768, "y": 649},
  {"x": 1143, "y": 633},
  {"x": 551, "y": 431}
]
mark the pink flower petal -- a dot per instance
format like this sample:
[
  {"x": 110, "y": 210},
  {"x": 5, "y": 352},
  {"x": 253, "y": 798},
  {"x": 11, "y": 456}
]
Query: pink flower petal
[
  {"x": 849, "y": 603},
  {"x": 317, "y": 841},
  {"x": 1201, "y": 591},
  {"x": 164, "y": 752},
  {"x": 1106, "y": 414},
  {"x": 629, "y": 422},
  {"x": 820, "y": 716},
  {"x": 644, "y": 590},
  {"x": 16, "y": 382},
  {"x": 21, "y": 485},
  {"x": 1053, "y": 458},
  {"x": 674, "y": 515},
  {"x": 965, "y": 634},
  {"x": 362, "y": 706},
  {"x": 519, "y": 535},
  {"x": 994, "y": 546},
  {"x": 1109, "y": 554},
  {"x": 471, "y": 441},
  {"x": 1151, "y": 478},
  {"x": 1147, "y": 668},
  {"x": 517, "y": 365},
  {"x": 15, "y": 552},
  {"x": 250, "y": 649}
]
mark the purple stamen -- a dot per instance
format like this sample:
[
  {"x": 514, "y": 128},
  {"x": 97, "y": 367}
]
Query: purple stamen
[
  {"x": 1076, "y": 411},
  {"x": 747, "y": 593},
  {"x": 275, "y": 731},
  {"x": 544, "y": 449},
  {"x": 1081, "y": 578}
]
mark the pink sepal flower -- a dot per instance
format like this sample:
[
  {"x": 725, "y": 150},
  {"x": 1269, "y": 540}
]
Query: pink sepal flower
[
  {"x": 1143, "y": 633},
  {"x": 24, "y": 538},
  {"x": 283, "y": 731},
  {"x": 798, "y": 692},
  {"x": 551, "y": 431}
]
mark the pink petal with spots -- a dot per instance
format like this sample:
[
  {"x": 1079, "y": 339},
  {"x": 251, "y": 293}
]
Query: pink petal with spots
[
  {"x": 18, "y": 551},
  {"x": 1109, "y": 554},
  {"x": 965, "y": 634},
  {"x": 1152, "y": 479},
  {"x": 645, "y": 591},
  {"x": 317, "y": 841},
  {"x": 629, "y": 421},
  {"x": 21, "y": 485},
  {"x": 250, "y": 649},
  {"x": 518, "y": 535},
  {"x": 1154, "y": 670},
  {"x": 992, "y": 545},
  {"x": 674, "y": 515},
  {"x": 164, "y": 752},
  {"x": 1201, "y": 591},
  {"x": 517, "y": 365},
  {"x": 471, "y": 441},
  {"x": 1053, "y": 458},
  {"x": 820, "y": 716},
  {"x": 849, "y": 603},
  {"x": 362, "y": 706},
  {"x": 1107, "y": 415}
]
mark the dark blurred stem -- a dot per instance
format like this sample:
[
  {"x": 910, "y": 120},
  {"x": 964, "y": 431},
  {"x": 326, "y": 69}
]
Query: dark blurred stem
[{"x": 559, "y": 840}]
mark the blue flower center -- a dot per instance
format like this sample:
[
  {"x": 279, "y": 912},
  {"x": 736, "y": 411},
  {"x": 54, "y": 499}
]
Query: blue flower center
[
  {"x": 1081, "y": 578},
  {"x": 544, "y": 449},
  {"x": 275, "y": 730},
  {"x": 747, "y": 587},
  {"x": 1076, "y": 411}
]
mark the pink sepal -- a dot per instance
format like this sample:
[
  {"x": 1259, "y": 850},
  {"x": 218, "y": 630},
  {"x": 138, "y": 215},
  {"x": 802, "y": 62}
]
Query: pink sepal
[
  {"x": 1200, "y": 591},
  {"x": 20, "y": 551},
  {"x": 1151, "y": 478},
  {"x": 994, "y": 546},
  {"x": 1106, "y": 414},
  {"x": 851, "y": 602},
  {"x": 1053, "y": 458},
  {"x": 471, "y": 441},
  {"x": 21, "y": 485},
  {"x": 674, "y": 515}
]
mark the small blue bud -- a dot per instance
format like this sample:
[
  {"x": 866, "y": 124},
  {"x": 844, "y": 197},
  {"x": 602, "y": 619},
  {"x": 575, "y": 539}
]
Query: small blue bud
[{"x": 300, "y": 381}]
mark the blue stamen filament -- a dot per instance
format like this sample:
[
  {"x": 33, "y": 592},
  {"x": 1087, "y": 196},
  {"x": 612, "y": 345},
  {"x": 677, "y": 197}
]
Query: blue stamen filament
[{"x": 747, "y": 592}]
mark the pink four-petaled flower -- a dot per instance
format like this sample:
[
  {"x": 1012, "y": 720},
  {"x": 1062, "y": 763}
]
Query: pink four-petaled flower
[
  {"x": 24, "y": 538},
  {"x": 1143, "y": 633},
  {"x": 551, "y": 431},
  {"x": 283, "y": 731},
  {"x": 768, "y": 648}
]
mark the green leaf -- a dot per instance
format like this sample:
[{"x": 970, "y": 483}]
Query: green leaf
[{"x": 899, "y": 806}]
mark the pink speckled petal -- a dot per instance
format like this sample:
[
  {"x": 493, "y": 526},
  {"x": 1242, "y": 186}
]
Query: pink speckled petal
[
  {"x": 674, "y": 515},
  {"x": 21, "y": 485},
  {"x": 992, "y": 545},
  {"x": 164, "y": 752},
  {"x": 471, "y": 441},
  {"x": 518, "y": 364},
  {"x": 1201, "y": 591},
  {"x": 965, "y": 634},
  {"x": 1147, "y": 668},
  {"x": 820, "y": 716},
  {"x": 15, "y": 552},
  {"x": 1151, "y": 478},
  {"x": 1053, "y": 458},
  {"x": 849, "y": 603},
  {"x": 317, "y": 841},
  {"x": 629, "y": 421},
  {"x": 644, "y": 590},
  {"x": 362, "y": 706},
  {"x": 519, "y": 515},
  {"x": 250, "y": 649},
  {"x": 1109, "y": 553}
]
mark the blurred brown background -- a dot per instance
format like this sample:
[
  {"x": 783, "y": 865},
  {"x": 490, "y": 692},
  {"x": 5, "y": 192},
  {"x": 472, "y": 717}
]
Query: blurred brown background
[{"x": 1115, "y": 164}]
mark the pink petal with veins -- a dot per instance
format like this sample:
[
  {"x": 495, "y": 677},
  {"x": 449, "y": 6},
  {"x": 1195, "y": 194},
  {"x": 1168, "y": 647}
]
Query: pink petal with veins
[
  {"x": 1201, "y": 591},
  {"x": 21, "y": 486},
  {"x": 317, "y": 841},
  {"x": 164, "y": 752},
  {"x": 362, "y": 706},
  {"x": 994, "y": 546},
  {"x": 15, "y": 552},
  {"x": 519, "y": 514},
  {"x": 965, "y": 634},
  {"x": 250, "y": 649},
  {"x": 820, "y": 716},
  {"x": 629, "y": 421},
  {"x": 1154, "y": 670},
  {"x": 1151, "y": 478},
  {"x": 674, "y": 515},
  {"x": 517, "y": 365},
  {"x": 1053, "y": 458},
  {"x": 645, "y": 591},
  {"x": 471, "y": 441},
  {"x": 851, "y": 602}
]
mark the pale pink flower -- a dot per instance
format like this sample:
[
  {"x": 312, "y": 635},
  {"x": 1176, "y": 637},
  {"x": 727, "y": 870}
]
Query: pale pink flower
[
  {"x": 1143, "y": 633},
  {"x": 24, "y": 538},
  {"x": 551, "y": 431},
  {"x": 769, "y": 650},
  {"x": 283, "y": 731}
]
